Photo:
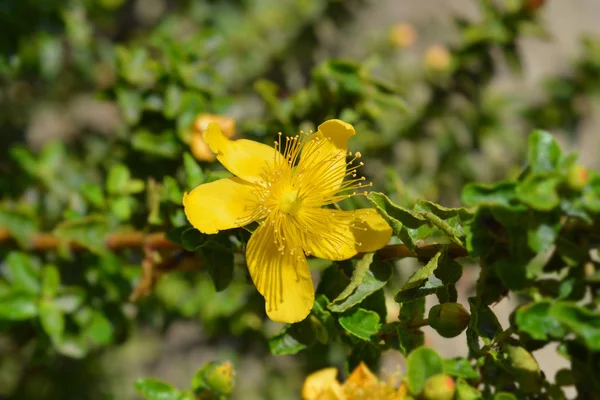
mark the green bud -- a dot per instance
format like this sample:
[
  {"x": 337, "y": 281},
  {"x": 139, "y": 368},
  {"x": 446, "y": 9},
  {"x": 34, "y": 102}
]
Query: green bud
[
  {"x": 578, "y": 177},
  {"x": 525, "y": 367},
  {"x": 449, "y": 319},
  {"x": 439, "y": 387},
  {"x": 215, "y": 378}
]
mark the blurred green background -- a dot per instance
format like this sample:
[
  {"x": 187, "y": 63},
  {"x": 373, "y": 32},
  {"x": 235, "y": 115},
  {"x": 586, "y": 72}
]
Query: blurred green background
[{"x": 98, "y": 101}]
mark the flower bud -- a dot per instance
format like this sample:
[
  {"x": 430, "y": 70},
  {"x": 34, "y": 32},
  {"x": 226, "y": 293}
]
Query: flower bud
[
  {"x": 578, "y": 177},
  {"x": 439, "y": 387},
  {"x": 403, "y": 35},
  {"x": 198, "y": 146},
  {"x": 449, "y": 319},
  {"x": 216, "y": 378},
  {"x": 438, "y": 59}
]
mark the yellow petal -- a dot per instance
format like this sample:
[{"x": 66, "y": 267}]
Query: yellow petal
[
  {"x": 281, "y": 276},
  {"x": 246, "y": 159},
  {"x": 339, "y": 235},
  {"x": 317, "y": 382},
  {"x": 361, "y": 378},
  {"x": 324, "y": 156},
  {"x": 370, "y": 231},
  {"x": 223, "y": 204}
]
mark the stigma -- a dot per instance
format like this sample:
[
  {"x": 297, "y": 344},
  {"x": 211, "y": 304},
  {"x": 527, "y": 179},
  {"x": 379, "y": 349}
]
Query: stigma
[{"x": 290, "y": 203}]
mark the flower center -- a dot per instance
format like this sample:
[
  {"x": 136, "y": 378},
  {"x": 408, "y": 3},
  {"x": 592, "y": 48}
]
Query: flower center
[{"x": 290, "y": 203}]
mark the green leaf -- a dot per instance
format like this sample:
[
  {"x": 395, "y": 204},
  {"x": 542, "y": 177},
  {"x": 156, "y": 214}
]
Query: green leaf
[
  {"x": 409, "y": 339},
  {"x": 99, "y": 329},
  {"x": 292, "y": 339},
  {"x": 153, "y": 389},
  {"x": 539, "y": 192},
  {"x": 543, "y": 153},
  {"x": 420, "y": 284},
  {"x": 401, "y": 220},
  {"x": 582, "y": 321},
  {"x": 23, "y": 272},
  {"x": 190, "y": 238},
  {"x": 193, "y": 172},
  {"x": 93, "y": 194},
  {"x": 501, "y": 194},
  {"x": 464, "y": 391},
  {"x": 422, "y": 364},
  {"x": 173, "y": 101},
  {"x": 365, "y": 281},
  {"x": 504, "y": 396},
  {"x": 218, "y": 258},
  {"x": 163, "y": 145},
  {"x": 25, "y": 159},
  {"x": 52, "y": 319},
  {"x": 18, "y": 306},
  {"x": 50, "y": 281},
  {"x": 89, "y": 232},
  {"x": 460, "y": 368},
  {"x": 21, "y": 226},
  {"x": 117, "y": 179},
  {"x": 122, "y": 207},
  {"x": 361, "y": 323},
  {"x": 131, "y": 103}
]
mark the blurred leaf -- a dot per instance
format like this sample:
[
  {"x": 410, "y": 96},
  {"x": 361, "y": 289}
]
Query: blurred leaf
[
  {"x": 118, "y": 177},
  {"x": 93, "y": 194},
  {"x": 544, "y": 153},
  {"x": 131, "y": 103},
  {"x": 539, "y": 192},
  {"x": 422, "y": 364},
  {"x": 193, "y": 172},
  {"x": 464, "y": 391},
  {"x": 52, "y": 319},
  {"x": 89, "y": 232},
  {"x": 501, "y": 194},
  {"x": 18, "y": 306},
  {"x": 361, "y": 323},
  {"x": 50, "y": 281},
  {"x": 153, "y": 389},
  {"x": 23, "y": 272},
  {"x": 460, "y": 368},
  {"x": 21, "y": 226},
  {"x": 99, "y": 329},
  {"x": 583, "y": 322},
  {"x": 218, "y": 256},
  {"x": 161, "y": 145}
]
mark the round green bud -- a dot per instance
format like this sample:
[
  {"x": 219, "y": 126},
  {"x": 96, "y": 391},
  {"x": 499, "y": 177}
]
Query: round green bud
[
  {"x": 578, "y": 177},
  {"x": 449, "y": 319},
  {"x": 439, "y": 387}
]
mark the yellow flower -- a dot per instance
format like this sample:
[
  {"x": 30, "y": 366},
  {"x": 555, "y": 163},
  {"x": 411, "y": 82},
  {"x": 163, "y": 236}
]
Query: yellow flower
[
  {"x": 285, "y": 189},
  {"x": 362, "y": 384}
]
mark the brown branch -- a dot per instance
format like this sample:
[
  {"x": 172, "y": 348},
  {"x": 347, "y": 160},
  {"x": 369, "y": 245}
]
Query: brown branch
[
  {"x": 115, "y": 241},
  {"x": 158, "y": 241}
]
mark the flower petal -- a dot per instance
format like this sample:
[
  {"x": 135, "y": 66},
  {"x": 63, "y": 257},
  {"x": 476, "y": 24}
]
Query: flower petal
[
  {"x": 370, "y": 231},
  {"x": 246, "y": 159},
  {"x": 223, "y": 204},
  {"x": 325, "y": 156},
  {"x": 339, "y": 235},
  {"x": 281, "y": 276},
  {"x": 318, "y": 383}
]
